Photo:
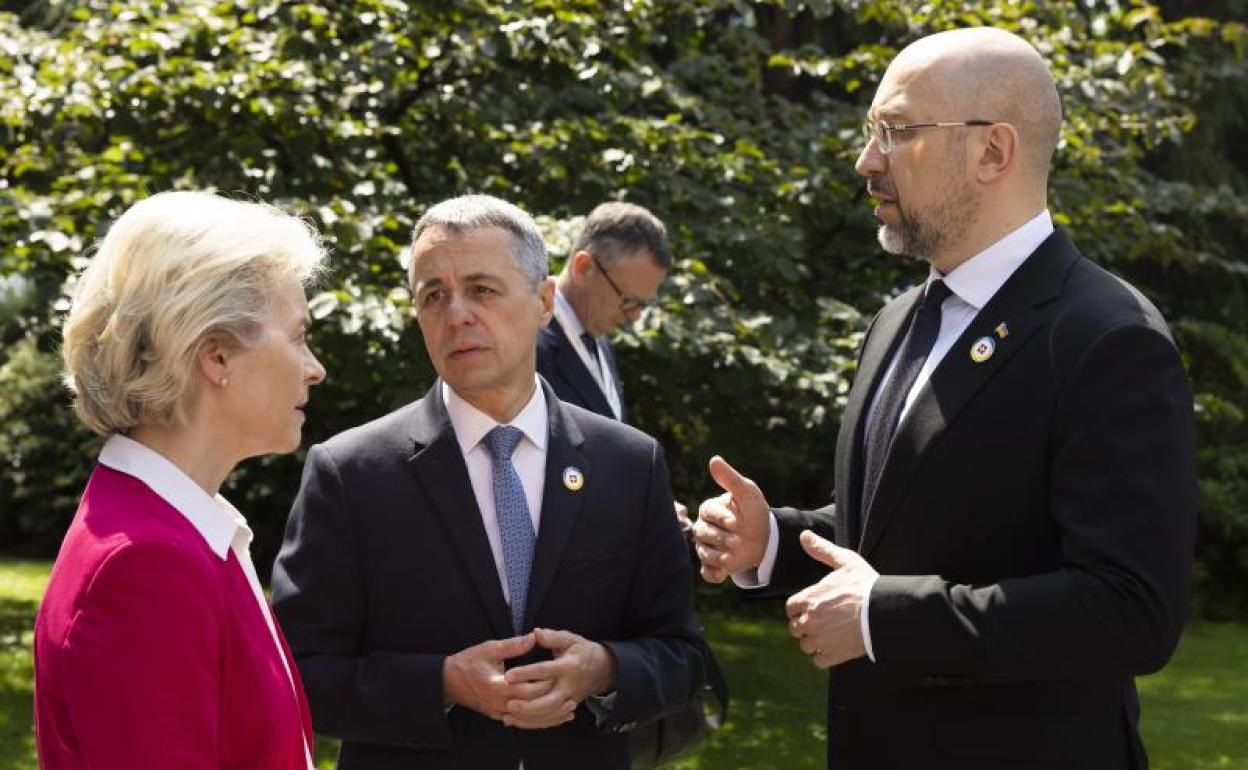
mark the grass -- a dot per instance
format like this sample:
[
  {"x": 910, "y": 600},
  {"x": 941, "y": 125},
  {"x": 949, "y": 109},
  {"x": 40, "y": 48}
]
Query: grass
[
  {"x": 21, "y": 585},
  {"x": 1195, "y": 711}
]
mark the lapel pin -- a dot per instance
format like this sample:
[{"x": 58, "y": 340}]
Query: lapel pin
[
  {"x": 982, "y": 349},
  {"x": 1002, "y": 330},
  {"x": 573, "y": 478}
]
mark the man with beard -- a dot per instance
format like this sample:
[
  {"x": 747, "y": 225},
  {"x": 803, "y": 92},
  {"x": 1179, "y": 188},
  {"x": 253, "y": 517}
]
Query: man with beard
[{"x": 1015, "y": 487}]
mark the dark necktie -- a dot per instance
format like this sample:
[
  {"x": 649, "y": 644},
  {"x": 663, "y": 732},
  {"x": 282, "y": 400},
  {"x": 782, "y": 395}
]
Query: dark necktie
[
  {"x": 591, "y": 345},
  {"x": 924, "y": 328},
  {"x": 514, "y": 523}
]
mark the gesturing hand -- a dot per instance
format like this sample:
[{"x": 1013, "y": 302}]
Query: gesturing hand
[
  {"x": 731, "y": 530},
  {"x": 579, "y": 669},
  {"x": 473, "y": 677},
  {"x": 826, "y": 617}
]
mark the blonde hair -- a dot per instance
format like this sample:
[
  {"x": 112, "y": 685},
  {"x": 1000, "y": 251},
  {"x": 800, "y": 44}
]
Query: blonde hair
[{"x": 174, "y": 269}]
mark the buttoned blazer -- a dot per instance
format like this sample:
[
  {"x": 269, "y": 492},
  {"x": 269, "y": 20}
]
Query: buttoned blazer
[
  {"x": 386, "y": 569},
  {"x": 1034, "y": 521},
  {"x": 559, "y": 364},
  {"x": 151, "y": 650}
]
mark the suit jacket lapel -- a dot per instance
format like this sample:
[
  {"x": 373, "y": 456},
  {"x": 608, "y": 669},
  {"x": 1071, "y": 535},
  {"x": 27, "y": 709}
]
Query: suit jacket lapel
[
  {"x": 881, "y": 342},
  {"x": 574, "y": 371},
  {"x": 958, "y": 378},
  {"x": 439, "y": 466},
  {"x": 560, "y": 505}
]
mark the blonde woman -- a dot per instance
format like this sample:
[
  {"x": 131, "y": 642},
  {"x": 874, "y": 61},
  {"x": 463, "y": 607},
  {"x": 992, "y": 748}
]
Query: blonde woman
[{"x": 185, "y": 346}]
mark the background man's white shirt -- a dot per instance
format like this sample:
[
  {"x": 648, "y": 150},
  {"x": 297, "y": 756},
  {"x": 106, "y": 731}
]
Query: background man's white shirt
[{"x": 565, "y": 316}]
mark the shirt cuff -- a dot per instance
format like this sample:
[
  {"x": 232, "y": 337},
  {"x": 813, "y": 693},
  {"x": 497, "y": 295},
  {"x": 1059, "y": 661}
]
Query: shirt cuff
[
  {"x": 866, "y": 626},
  {"x": 760, "y": 577}
]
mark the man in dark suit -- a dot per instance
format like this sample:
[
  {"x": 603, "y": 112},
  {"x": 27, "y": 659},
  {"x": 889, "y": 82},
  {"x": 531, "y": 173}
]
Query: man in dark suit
[
  {"x": 486, "y": 578},
  {"x": 1015, "y": 487},
  {"x": 617, "y": 263}
]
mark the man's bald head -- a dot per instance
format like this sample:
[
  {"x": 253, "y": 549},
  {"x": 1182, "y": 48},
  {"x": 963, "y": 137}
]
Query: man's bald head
[{"x": 989, "y": 74}]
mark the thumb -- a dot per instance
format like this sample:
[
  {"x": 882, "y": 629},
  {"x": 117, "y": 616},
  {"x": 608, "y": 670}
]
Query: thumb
[
  {"x": 823, "y": 551},
  {"x": 514, "y": 647},
  {"x": 729, "y": 479},
  {"x": 555, "y": 640}
]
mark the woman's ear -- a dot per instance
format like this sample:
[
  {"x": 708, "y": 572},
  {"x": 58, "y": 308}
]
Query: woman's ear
[{"x": 213, "y": 359}]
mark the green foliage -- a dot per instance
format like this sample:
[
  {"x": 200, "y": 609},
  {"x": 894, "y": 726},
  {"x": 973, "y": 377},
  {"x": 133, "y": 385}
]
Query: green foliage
[
  {"x": 736, "y": 121},
  {"x": 44, "y": 451}
]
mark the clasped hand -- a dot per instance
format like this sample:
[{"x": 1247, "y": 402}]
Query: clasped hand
[{"x": 534, "y": 696}]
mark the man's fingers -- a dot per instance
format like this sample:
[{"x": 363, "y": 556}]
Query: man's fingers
[
  {"x": 797, "y": 626},
  {"x": 711, "y": 556},
  {"x": 539, "y": 722},
  {"x": 798, "y": 603},
  {"x": 521, "y": 691},
  {"x": 555, "y": 640},
  {"x": 707, "y": 535},
  {"x": 546, "y": 669},
  {"x": 717, "y": 513},
  {"x": 823, "y": 551},
  {"x": 713, "y": 575},
  {"x": 729, "y": 479},
  {"x": 720, "y": 538},
  {"x": 513, "y": 647},
  {"x": 553, "y": 703}
]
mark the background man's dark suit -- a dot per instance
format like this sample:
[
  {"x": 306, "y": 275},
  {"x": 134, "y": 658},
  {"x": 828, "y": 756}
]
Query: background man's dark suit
[
  {"x": 558, "y": 362},
  {"x": 1051, "y": 488},
  {"x": 386, "y": 569}
]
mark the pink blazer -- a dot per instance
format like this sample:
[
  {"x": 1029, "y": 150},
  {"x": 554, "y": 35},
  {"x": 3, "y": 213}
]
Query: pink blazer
[{"x": 151, "y": 651}]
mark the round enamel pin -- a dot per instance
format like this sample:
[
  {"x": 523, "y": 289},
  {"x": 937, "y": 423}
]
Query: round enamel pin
[
  {"x": 573, "y": 479},
  {"x": 982, "y": 349}
]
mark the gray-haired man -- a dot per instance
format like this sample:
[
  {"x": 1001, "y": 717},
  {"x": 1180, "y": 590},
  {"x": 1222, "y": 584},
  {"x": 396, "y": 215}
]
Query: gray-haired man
[{"x": 487, "y": 577}]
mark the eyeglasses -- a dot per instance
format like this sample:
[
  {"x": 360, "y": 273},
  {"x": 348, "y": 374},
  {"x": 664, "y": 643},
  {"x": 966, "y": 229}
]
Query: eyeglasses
[
  {"x": 628, "y": 303},
  {"x": 886, "y": 136}
]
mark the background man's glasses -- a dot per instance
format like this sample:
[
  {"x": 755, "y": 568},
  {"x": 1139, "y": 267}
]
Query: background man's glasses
[
  {"x": 887, "y": 136},
  {"x": 628, "y": 303}
]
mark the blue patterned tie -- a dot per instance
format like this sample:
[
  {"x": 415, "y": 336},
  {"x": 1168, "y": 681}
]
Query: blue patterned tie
[{"x": 514, "y": 523}]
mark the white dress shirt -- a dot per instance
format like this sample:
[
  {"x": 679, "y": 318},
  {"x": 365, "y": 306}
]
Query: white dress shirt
[
  {"x": 214, "y": 518},
  {"x": 565, "y": 316},
  {"x": 972, "y": 283},
  {"x": 471, "y": 425}
]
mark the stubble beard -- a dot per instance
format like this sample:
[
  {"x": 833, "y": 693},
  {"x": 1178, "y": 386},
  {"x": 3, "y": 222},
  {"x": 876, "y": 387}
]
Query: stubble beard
[{"x": 925, "y": 234}]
